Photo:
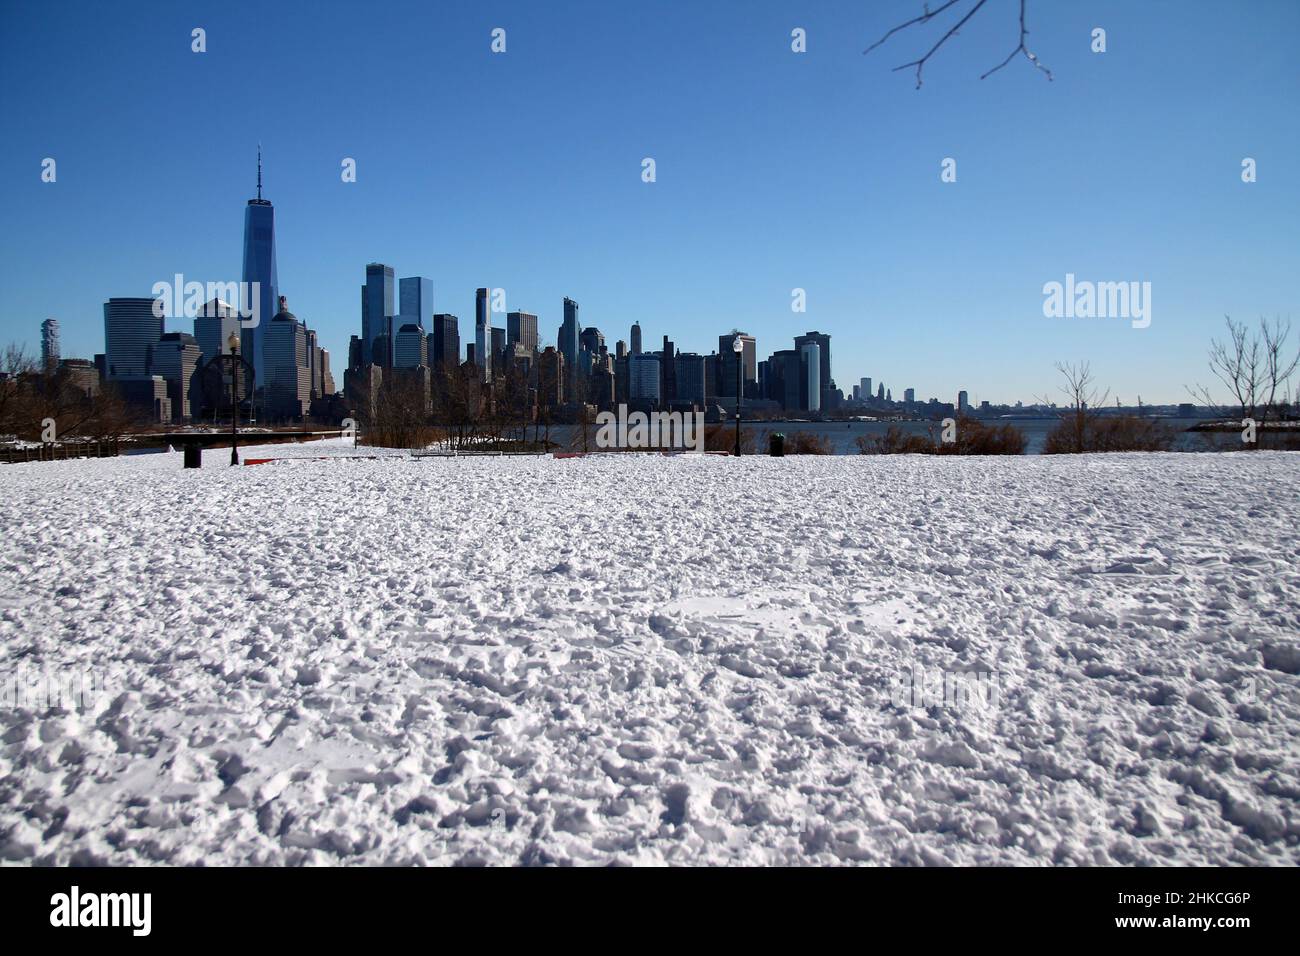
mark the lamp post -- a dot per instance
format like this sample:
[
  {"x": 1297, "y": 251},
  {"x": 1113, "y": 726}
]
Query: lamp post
[
  {"x": 233, "y": 342},
  {"x": 738, "y": 347}
]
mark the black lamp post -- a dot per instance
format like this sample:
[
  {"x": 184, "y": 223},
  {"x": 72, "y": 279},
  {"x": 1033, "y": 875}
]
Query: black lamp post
[
  {"x": 234, "y": 398},
  {"x": 738, "y": 347}
]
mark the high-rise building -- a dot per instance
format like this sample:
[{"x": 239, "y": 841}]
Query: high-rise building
[
  {"x": 784, "y": 372},
  {"x": 259, "y": 267},
  {"x": 377, "y": 314},
  {"x": 591, "y": 340},
  {"x": 866, "y": 389},
  {"x": 963, "y": 401},
  {"x": 446, "y": 341},
  {"x": 415, "y": 301},
  {"x": 521, "y": 329},
  {"x": 909, "y": 395},
  {"x": 287, "y": 390},
  {"x": 482, "y": 333},
  {"x": 49, "y": 345},
  {"x": 176, "y": 358},
  {"x": 690, "y": 379},
  {"x": 636, "y": 338},
  {"x": 216, "y": 322},
  {"x": 643, "y": 378},
  {"x": 411, "y": 349},
  {"x": 727, "y": 366},
  {"x": 568, "y": 347},
  {"x": 667, "y": 372},
  {"x": 550, "y": 378},
  {"x": 130, "y": 331},
  {"x": 823, "y": 342},
  {"x": 498, "y": 356},
  {"x": 810, "y": 375}
]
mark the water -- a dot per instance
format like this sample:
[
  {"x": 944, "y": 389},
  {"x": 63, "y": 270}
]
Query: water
[{"x": 843, "y": 435}]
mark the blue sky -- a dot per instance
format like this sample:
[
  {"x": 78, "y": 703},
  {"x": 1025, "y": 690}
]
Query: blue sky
[{"x": 775, "y": 170}]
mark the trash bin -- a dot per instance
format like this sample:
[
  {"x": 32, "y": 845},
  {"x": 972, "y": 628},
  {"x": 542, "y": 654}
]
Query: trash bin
[
  {"x": 776, "y": 445},
  {"x": 193, "y": 455}
]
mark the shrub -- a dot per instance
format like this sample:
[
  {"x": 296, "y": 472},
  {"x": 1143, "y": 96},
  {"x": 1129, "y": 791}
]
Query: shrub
[
  {"x": 808, "y": 443},
  {"x": 1112, "y": 433}
]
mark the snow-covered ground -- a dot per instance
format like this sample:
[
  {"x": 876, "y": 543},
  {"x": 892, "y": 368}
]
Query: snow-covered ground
[{"x": 644, "y": 659}]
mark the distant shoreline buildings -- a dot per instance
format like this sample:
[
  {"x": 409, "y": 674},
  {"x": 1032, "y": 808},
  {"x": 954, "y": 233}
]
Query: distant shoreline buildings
[{"x": 168, "y": 377}]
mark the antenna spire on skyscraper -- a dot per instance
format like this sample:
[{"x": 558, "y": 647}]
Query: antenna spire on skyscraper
[{"x": 259, "y": 170}]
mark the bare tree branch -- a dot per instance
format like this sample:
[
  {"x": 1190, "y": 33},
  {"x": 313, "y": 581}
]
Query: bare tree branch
[
  {"x": 1021, "y": 48},
  {"x": 929, "y": 14}
]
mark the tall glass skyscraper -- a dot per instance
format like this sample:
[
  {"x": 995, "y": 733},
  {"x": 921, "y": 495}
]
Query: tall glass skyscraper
[
  {"x": 377, "y": 313},
  {"x": 416, "y": 301},
  {"x": 259, "y": 267},
  {"x": 569, "y": 331}
]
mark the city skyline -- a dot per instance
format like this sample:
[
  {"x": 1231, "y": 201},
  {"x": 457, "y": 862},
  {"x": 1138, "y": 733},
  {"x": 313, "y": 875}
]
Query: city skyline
[{"x": 921, "y": 288}]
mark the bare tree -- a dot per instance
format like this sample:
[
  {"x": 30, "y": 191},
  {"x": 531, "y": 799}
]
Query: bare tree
[
  {"x": 927, "y": 15},
  {"x": 1081, "y": 391}
]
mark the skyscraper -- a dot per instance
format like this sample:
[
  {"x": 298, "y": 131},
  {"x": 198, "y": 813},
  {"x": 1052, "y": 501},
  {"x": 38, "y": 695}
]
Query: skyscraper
[
  {"x": 810, "y": 375},
  {"x": 213, "y": 326},
  {"x": 259, "y": 267},
  {"x": 636, "y": 338},
  {"x": 288, "y": 385},
  {"x": 377, "y": 314},
  {"x": 49, "y": 345},
  {"x": 568, "y": 345},
  {"x": 824, "y": 351},
  {"x": 176, "y": 358},
  {"x": 963, "y": 401},
  {"x": 130, "y": 331},
  {"x": 415, "y": 301},
  {"x": 643, "y": 379},
  {"x": 446, "y": 341},
  {"x": 482, "y": 333},
  {"x": 727, "y": 368},
  {"x": 410, "y": 349},
  {"x": 521, "y": 329}
]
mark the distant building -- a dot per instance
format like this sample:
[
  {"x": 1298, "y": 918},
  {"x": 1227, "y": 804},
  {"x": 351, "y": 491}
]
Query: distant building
[
  {"x": 727, "y": 363},
  {"x": 415, "y": 301},
  {"x": 377, "y": 314},
  {"x": 147, "y": 396},
  {"x": 823, "y": 342},
  {"x": 411, "y": 350},
  {"x": 550, "y": 378},
  {"x": 259, "y": 267},
  {"x": 287, "y": 390},
  {"x": 909, "y": 396},
  {"x": 810, "y": 375},
  {"x": 691, "y": 380},
  {"x": 49, "y": 345},
  {"x": 446, "y": 341},
  {"x": 521, "y": 329},
  {"x": 636, "y": 338},
  {"x": 176, "y": 358},
  {"x": 568, "y": 347},
  {"x": 498, "y": 350},
  {"x": 216, "y": 322},
  {"x": 643, "y": 378},
  {"x": 963, "y": 403},
  {"x": 482, "y": 333},
  {"x": 130, "y": 331},
  {"x": 82, "y": 375}
]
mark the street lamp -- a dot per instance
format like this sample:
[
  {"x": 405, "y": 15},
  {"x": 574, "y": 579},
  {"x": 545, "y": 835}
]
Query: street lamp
[
  {"x": 738, "y": 346},
  {"x": 233, "y": 342}
]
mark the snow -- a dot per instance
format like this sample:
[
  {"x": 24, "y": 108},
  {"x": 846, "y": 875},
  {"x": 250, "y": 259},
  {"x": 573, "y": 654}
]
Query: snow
[{"x": 640, "y": 659}]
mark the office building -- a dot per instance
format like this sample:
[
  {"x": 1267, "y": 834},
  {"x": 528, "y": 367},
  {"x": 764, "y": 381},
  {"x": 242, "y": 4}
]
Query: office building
[
  {"x": 643, "y": 379},
  {"x": 176, "y": 358},
  {"x": 377, "y": 315},
  {"x": 521, "y": 329},
  {"x": 130, "y": 331},
  {"x": 259, "y": 268},
  {"x": 446, "y": 341}
]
